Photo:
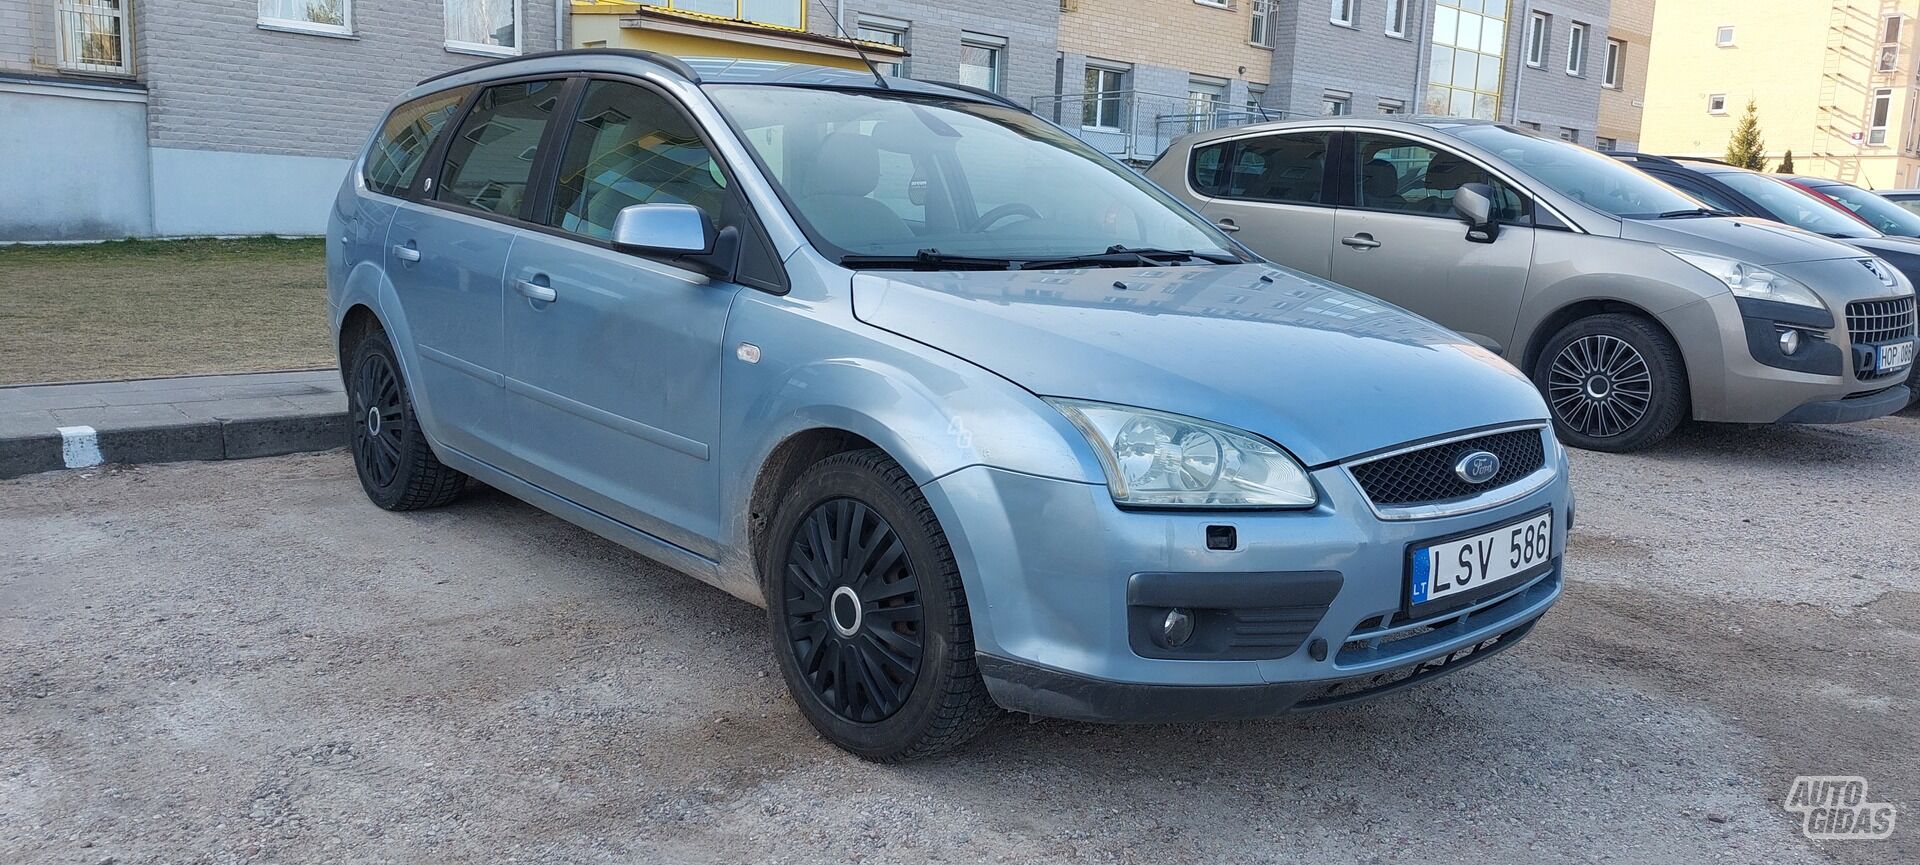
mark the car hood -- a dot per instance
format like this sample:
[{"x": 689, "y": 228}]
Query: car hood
[
  {"x": 1326, "y": 372},
  {"x": 1755, "y": 241}
]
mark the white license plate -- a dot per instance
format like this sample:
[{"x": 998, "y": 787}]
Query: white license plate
[
  {"x": 1461, "y": 565},
  {"x": 1897, "y": 356}
]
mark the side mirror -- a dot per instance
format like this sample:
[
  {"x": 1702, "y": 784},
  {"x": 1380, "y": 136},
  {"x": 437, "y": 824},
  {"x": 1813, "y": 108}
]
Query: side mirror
[
  {"x": 666, "y": 229},
  {"x": 1474, "y": 203}
]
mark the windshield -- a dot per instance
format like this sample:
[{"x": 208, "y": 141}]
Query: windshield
[
  {"x": 1584, "y": 175},
  {"x": 1880, "y": 213},
  {"x": 1794, "y": 206},
  {"x": 874, "y": 174}
]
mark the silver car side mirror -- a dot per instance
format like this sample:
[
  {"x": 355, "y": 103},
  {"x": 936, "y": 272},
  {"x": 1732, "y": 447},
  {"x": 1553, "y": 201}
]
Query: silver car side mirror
[
  {"x": 668, "y": 229},
  {"x": 1474, "y": 203}
]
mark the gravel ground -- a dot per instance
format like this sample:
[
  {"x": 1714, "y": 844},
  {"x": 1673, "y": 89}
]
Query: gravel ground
[{"x": 246, "y": 662}]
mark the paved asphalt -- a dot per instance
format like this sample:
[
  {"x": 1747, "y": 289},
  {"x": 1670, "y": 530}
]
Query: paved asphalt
[{"x": 245, "y": 662}]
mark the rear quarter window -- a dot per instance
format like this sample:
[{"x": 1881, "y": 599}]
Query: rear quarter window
[
  {"x": 1209, "y": 173},
  {"x": 404, "y": 139}
]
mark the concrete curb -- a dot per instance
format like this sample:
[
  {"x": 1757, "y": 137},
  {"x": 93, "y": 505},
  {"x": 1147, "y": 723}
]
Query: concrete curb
[{"x": 212, "y": 439}]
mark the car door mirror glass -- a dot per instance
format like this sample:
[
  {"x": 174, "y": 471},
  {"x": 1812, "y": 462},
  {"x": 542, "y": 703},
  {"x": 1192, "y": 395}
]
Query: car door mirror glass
[{"x": 672, "y": 229}]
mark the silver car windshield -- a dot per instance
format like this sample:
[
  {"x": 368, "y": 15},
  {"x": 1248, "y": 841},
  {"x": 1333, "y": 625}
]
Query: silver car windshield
[
  {"x": 876, "y": 175},
  {"x": 1584, "y": 175}
]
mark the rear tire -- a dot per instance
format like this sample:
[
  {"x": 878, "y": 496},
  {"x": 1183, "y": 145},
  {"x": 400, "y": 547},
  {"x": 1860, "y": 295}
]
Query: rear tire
[
  {"x": 396, "y": 465},
  {"x": 1614, "y": 382},
  {"x": 869, "y": 619}
]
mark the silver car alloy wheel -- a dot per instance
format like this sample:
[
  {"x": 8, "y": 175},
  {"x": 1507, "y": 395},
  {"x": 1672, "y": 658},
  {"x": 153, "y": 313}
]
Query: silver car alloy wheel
[{"x": 1600, "y": 386}]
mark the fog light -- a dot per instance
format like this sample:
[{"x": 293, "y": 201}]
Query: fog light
[
  {"x": 1789, "y": 342},
  {"x": 1178, "y": 628}
]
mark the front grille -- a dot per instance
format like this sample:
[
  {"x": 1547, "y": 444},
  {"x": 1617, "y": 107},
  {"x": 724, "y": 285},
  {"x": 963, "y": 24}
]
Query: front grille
[
  {"x": 1873, "y": 322},
  {"x": 1427, "y": 476}
]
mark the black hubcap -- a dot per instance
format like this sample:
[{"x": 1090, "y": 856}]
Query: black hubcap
[
  {"x": 853, "y": 612},
  {"x": 1600, "y": 386},
  {"x": 375, "y": 410}
]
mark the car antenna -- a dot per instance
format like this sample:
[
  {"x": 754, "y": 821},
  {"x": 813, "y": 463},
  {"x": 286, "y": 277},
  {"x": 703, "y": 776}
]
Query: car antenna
[{"x": 877, "y": 77}]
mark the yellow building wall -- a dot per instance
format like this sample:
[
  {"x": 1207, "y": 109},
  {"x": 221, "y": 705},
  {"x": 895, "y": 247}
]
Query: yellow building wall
[
  {"x": 1784, "y": 54},
  {"x": 1195, "y": 37},
  {"x": 598, "y": 28}
]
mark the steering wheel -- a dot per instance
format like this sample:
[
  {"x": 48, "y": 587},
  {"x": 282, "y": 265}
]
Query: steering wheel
[{"x": 1016, "y": 208}]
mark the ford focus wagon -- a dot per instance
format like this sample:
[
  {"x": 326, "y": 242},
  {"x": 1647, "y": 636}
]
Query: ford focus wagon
[{"x": 982, "y": 418}]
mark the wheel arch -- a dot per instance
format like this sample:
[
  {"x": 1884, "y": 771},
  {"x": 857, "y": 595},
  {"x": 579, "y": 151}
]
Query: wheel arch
[{"x": 1556, "y": 321}]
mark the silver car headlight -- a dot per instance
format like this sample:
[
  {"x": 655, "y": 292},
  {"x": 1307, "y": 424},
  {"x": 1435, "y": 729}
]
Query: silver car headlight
[
  {"x": 1155, "y": 459},
  {"x": 1748, "y": 280}
]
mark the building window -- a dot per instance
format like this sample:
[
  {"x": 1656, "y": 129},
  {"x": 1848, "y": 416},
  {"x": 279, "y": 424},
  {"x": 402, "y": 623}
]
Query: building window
[
  {"x": 1343, "y": 12},
  {"x": 1616, "y": 57},
  {"x": 94, "y": 36},
  {"x": 1538, "y": 27},
  {"x": 1256, "y": 94},
  {"x": 1392, "y": 106},
  {"x": 1468, "y": 63},
  {"x": 1531, "y": 125},
  {"x": 1106, "y": 100},
  {"x": 780, "y": 13},
  {"x": 1218, "y": 4},
  {"x": 318, "y": 16},
  {"x": 1606, "y": 145},
  {"x": 1717, "y": 103},
  {"x": 1262, "y": 23},
  {"x": 1397, "y": 17},
  {"x": 1205, "y": 98},
  {"x": 1890, "y": 44},
  {"x": 982, "y": 61},
  {"x": 484, "y": 26},
  {"x": 1572, "y": 135},
  {"x": 1336, "y": 104},
  {"x": 1577, "y": 49},
  {"x": 1877, "y": 119},
  {"x": 886, "y": 31},
  {"x": 1724, "y": 37}
]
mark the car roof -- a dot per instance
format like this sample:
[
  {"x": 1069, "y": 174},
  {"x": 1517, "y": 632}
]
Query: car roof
[{"x": 730, "y": 70}]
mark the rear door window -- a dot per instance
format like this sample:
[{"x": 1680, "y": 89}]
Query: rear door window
[
  {"x": 490, "y": 161},
  {"x": 405, "y": 138},
  {"x": 1287, "y": 169}
]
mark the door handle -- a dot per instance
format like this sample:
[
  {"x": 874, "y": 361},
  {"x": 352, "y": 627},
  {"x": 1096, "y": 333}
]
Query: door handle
[
  {"x": 1228, "y": 226},
  {"x": 1362, "y": 241},
  {"x": 536, "y": 289},
  {"x": 405, "y": 252}
]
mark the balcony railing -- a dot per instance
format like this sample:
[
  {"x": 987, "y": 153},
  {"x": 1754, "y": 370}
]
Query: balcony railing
[
  {"x": 1136, "y": 126},
  {"x": 93, "y": 36}
]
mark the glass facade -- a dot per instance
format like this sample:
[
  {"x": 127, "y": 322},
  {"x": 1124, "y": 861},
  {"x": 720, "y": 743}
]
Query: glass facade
[{"x": 1469, "y": 58}]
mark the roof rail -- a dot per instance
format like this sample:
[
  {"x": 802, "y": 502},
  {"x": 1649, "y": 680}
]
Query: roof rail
[
  {"x": 1631, "y": 156},
  {"x": 980, "y": 92},
  {"x": 671, "y": 62}
]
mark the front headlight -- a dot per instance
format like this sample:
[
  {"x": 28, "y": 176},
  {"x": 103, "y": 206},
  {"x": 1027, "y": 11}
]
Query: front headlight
[
  {"x": 1747, "y": 280},
  {"x": 1155, "y": 459}
]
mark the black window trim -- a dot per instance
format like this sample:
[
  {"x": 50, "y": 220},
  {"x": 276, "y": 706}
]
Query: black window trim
[{"x": 552, "y": 149}]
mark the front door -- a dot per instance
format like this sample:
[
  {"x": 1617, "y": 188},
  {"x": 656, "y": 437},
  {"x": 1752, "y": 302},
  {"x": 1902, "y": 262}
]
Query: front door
[
  {"x": 613, "y": 358},
  {"x": 1271, "y": 191},
  {"x": 1400, "y": 240}
]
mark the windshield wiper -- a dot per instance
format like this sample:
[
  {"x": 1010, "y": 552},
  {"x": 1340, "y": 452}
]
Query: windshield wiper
[
  {"x": 1693, "y": 212},
  {"x": 926, "y": 259},
  {"x": 1124, "y": 256}
]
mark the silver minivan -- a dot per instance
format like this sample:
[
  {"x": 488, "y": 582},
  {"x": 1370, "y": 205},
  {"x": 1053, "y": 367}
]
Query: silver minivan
[{"x": 1630, "y": 305}]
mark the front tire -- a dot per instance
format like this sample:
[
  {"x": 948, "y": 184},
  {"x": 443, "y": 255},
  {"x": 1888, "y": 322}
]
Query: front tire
[
  {"x": 869, "y": 619},
  {"x": 396, "y": 465},
  {"x": 1614, "y": 382}
]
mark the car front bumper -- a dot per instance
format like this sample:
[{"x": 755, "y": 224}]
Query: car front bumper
[{"x": 1312, "y": 603}]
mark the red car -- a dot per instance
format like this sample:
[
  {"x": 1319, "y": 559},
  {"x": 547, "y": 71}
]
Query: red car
[{"x": 1885, "y": 216}]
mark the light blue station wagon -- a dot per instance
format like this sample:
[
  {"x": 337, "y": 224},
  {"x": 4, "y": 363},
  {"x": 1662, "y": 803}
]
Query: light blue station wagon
[{"x": 982, "y": 418}]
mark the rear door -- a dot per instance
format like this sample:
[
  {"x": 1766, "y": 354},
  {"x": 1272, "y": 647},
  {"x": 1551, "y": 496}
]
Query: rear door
[
  {"x": 1400, "y": 240},
  {"x": 1272, "y": 191},
  {"x": 447, "y": 252}
]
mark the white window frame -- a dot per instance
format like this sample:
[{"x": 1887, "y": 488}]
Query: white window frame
[
  {"x": 1217, "y": 4},
  {"x": 1120, "y": 71},
  {"x": 1341, "y": 99},
  {"x": 1397, "y": 17},
  {"x": 68, "y": 40},
  {"x": 1723, "y": 36},
  {"x": 1262, "y": 19},
  {"x": 1720, "y": 98},
  {"x": 1539, "y": 29},
  {"x": 1392, "y": 107},
  {"x": 1577, "y": 50},
  {"x": 901, "y": 29},
  {"x": 1893, "y": 31},
  {"x": 1342, "y": 12},
  {"x": 1606, "y": 145},
  {"x": 458, "y": 46},
  {"x": 295, "y": 25},
  {"x": 996, "y": 44},
  {"x": 1879, "y": 109},
  {"x": 1616, "y": 63}
]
